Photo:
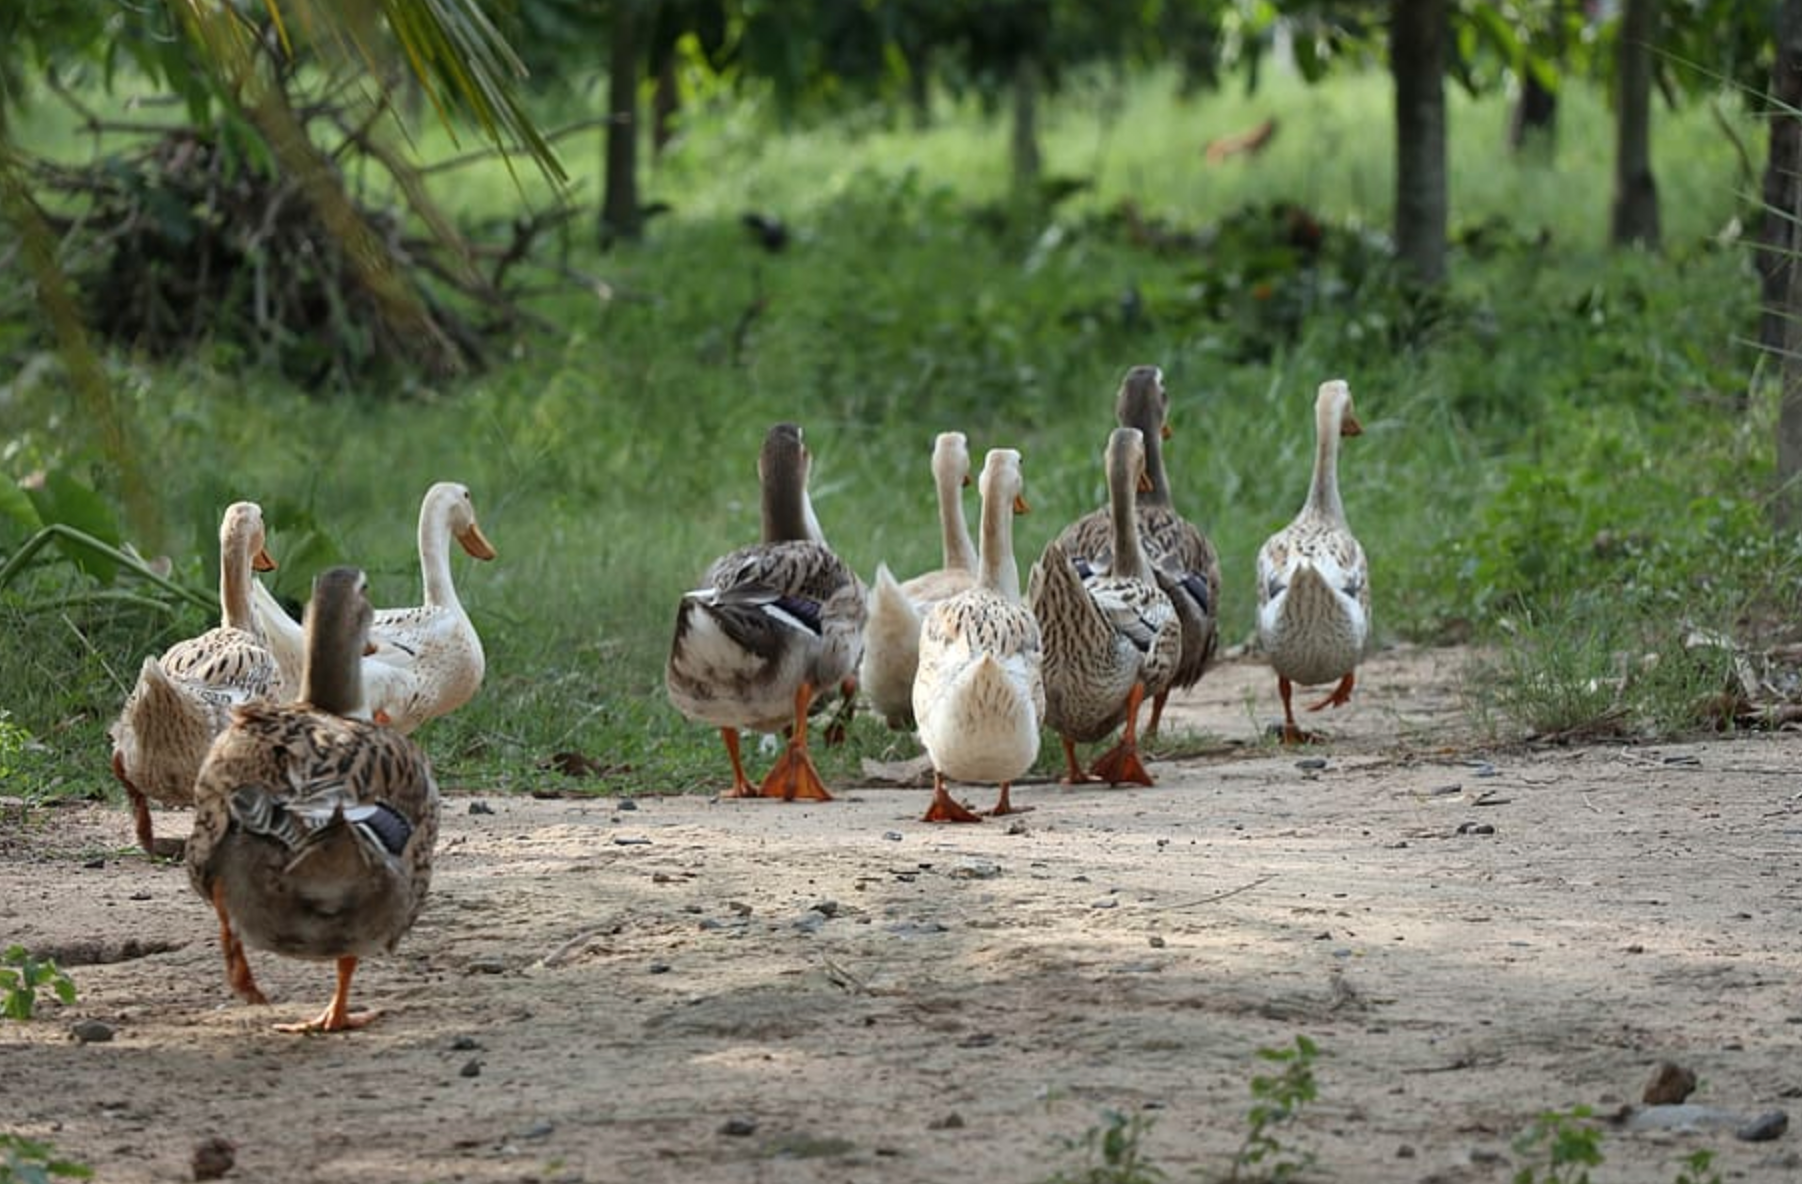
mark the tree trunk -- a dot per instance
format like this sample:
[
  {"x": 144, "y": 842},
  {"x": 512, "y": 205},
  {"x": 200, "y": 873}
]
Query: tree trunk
[
  {"x": 1418, "y": 33},
  {"x": 619, "y": 205},
  {"x": 919, "y": 85},
  {"x": 1534, "y": 120},
  {"x": 1780, "y": 237},
  {"x": 1635, "y": 215},
  {"x": 1027, "y": 162}
]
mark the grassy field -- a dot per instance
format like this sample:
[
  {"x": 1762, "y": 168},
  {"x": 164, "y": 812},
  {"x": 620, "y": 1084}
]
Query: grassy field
[{"x": 1555, "y": 452}]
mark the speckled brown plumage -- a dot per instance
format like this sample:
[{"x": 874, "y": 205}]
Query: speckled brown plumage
[
  {"x": 313, "y": 833},
  {"x": 185, "y": 697},
  {"x": 1187, "y": 567},
  {"x": 772, "y": 626}
]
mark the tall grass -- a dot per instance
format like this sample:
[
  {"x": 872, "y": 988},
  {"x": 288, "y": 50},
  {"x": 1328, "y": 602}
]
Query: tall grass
[{"x": 1558, "y": 396}]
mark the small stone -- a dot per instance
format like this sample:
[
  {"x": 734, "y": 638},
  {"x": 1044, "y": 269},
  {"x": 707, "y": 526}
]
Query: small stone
[
  {"x": 658, "y": 968},
  {"x": 91, "y": 1031},
  {"x": 1476, "y": 828},
  {"x": 809, "y": 922},
  {"x": 975, "y": 869},
  {"x": 739, "y": 1128},
  {"x": 950, "y": 1122},
  {"x": 625, "y": 804},
  {"x": 1405, "y": 1151},
  {"x": 487, "y": 966},
  {"x": 213, "y": 1157},
  {"x": 1157, "y": 941},
  {"x": 1311, "y": 764},
  {"x": 95, "y": 864},
  {"x": 1106, "y": 902},
  {"x": 977, "y": 1040},
  {"x": 1767, "y": 1126},
  {"x": 471, "y": 1068},
  {"x": 1017, "y": 828},
  {"x": 893, "y": 836},
  {"x": 539, "y": 1130},
  {"x": 1670, "y": 1083},
  {"x": 141, "y": 894},
  {"x": 465, "y": 1044},
  {"x": 624, "y": 841},
  {"x": 826, "y": 908},
  {"x": 480, "y": 807}
]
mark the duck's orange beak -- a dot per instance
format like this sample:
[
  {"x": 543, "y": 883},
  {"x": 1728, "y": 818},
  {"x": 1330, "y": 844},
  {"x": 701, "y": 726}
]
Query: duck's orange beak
[
  {"x": 1020, "y": 506},
  {"x": 1165, "y": 432},
  {"x": 1144, "y": 481},
  {"x": 261, "y": 561},
  {"x": 476, "y": 543},
  {"x": 1349, "y": 426}
]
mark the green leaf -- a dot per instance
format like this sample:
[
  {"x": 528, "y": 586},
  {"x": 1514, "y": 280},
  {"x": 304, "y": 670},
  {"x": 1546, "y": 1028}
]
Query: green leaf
[{"x": 62, "y": 499}]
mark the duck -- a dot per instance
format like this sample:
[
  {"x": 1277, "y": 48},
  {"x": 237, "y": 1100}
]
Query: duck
[
  {"x": 979, "y": 693},
  {"x": 1314, "y": 579},
  {"x": 1184, "y": 561},
  {"x": 891, "y": 651},
  {"x": 772, "y": 626},
  {"x": 313, "y": 831},
  {"x": 1109, "y": 640},
  {"x": 184, "y": 697},
  {"x": 427, "y": 659}
]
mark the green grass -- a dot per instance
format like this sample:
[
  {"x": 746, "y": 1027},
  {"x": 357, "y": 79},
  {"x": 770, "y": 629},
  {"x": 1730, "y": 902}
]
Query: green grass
[{"x": 1559, "y": 424}]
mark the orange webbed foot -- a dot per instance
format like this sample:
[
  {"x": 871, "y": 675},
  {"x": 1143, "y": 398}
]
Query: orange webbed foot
[
  {"x": 1341, "y": 694},
  {"x": 794, "y": 776},
  {"x": 1004, "y": 807},
  {"x": 1120, "y": 765},
  {"x": 946, "y": 808}
]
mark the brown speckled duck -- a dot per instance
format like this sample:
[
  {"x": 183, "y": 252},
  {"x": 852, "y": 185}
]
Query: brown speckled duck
[
  {"x": 184, "y": 698},
  {"x": 1313, "y": 578},
  {"x": 1109, "y": 640},
  {"x": 979, "y": 694},
  {"x": 772, "y": 626},
  {"x": 891, "y": 650},
  {"x": 427, "y": 660},
  {"x": 1184, "y": 561},
  {"x": 313, "y": 832}
]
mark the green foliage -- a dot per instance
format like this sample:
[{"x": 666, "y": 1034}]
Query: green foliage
[
  {"x": 1110, "y": 1153},
  {"x": 28, "y": 1161},
  {"x": 1276, "y": 1099},
  {"x": 1696, "y": 1168},
  {"x": 21, "y": 976},
  {"x": 1560, "y": 1146}
]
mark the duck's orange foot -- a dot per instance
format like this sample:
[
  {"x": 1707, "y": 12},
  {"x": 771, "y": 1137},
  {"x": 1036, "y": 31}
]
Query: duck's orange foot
[
  {"x": 794, "y": 776},
  {"x": 946, "y": 808},
  {"x": 1341, "y": 694},
  {"x": 1004, "y": 807},
  {"x": 333, "y": 1020},
  {"x": 1119, "y": 765}
]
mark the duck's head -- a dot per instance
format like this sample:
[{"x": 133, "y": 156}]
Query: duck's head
[
  {"x": 450, "y": 503},
  {"x": 338, "y": 620},
  {"x": 242, "y": 530},
  {"x": 1333, "y": 406},
  {"x": 1001, "y": 479},
  {"x": 951, "y": 458},
  {"x": 1143, "y": 402},
  {"x": 1125, "y": 461},
  {"x": 783, "y": 468}
]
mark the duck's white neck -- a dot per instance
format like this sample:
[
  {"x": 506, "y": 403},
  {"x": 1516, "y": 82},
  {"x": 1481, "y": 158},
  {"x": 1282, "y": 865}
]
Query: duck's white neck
[
  {"x": 434, "y": 555},
  {"x": 1323, "y": 493},
  {"x": 236, "y": 549},
  {"x": 998, "y": 571},
  {"x": 954, "y": 532}
]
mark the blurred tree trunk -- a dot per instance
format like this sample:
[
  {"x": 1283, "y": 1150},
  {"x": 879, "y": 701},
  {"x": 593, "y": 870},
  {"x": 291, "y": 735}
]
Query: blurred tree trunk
[
  {"x": 919, "y": 85},
  {"x": 1027, "y": 161},
  {"x": 1780, "y": 327},
  {"x": 1418, "y": 32},
  {"x": 1778, "y": 235},
  {"x": 619, "y": 204},
  {"x": 1534, "y": 120},
  {"x": 1635, "y": 214}
]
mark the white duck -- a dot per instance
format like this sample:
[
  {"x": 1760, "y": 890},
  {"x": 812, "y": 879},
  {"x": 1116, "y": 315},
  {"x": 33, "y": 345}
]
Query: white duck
[
  {"x": 773, "y": 625},
  {"x": 891, "y": 650},
  {"x": 427, "y": 660},
  {"x": 979, "y": 695},
  {"x": 1313, "y": 578},
  {"x": 184, "y": 698},
  {"x": 1110, "y": 640}
]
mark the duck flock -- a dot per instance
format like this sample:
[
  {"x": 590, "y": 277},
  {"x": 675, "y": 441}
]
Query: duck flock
[{"x": 315, "y": 814}]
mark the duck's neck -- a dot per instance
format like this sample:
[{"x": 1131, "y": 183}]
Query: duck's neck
[
  {"x": 788, "y": 511},
  {"x": 332, "y": 679},
  {"x": 236, "y": 551},
  {"x": 434, "y": 557},
  {"x": 954, "y": 532},
  {"x": 1323, "y": 493},
  {"x": 1129, "y": 559},
  {"x": 1159, "y": 493},
  {"x": 998, "y": 571}
]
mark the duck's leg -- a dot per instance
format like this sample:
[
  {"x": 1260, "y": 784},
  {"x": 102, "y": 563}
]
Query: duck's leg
[
  {"x": 840, "y": 727},
  {"x": 337, "y": 1016},
  {"x": 1341, "y": 694},
  {"x": 1121, "y": 762},
  {"x": 1292, "y": 733},
  {"x": 1003, "y": 806},
  {"x": 140, "y": 806},
  {"x": 237, "y": 967},
  {"x": 741, "y": 785},
  {"x": 794, "y": 775},
  {"x": 1073, "y": 774},
  {"x": 1157, "y": 714},
  {"x": 946, "y": 808}
]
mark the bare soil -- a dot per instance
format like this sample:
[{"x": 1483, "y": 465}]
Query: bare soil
[{"x": 699, "y": 990}]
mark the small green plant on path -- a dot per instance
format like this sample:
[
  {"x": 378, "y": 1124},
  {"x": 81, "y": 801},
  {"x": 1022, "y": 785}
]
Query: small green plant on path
[
  {"x": 20, "y": 977},
  {"x": 27, "y": 1161},
  {"x": 1111, "y": 1153},
  {"x": 1276, "y": 1099},
  {"x": 1560, "y": 1147}
]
